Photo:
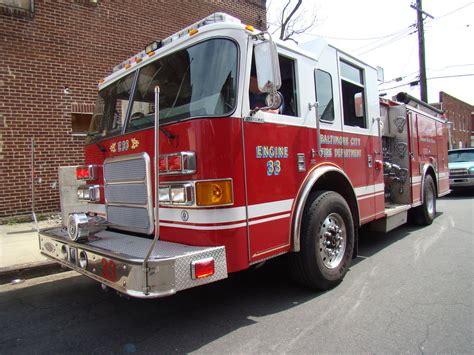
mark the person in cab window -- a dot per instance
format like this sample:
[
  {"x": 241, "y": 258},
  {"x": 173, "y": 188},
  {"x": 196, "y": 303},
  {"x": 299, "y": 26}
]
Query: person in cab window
[{"x": 257, "y": 98}]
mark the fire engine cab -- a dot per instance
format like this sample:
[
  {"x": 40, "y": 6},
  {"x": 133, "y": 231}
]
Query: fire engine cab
[{"x": 251, "y": 148}]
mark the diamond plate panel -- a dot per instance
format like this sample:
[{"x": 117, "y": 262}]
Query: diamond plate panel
[
  {"x": 126, "y": 193},
  {"x": 183, "y": 279},
  {"x": 134, "y": 246}
]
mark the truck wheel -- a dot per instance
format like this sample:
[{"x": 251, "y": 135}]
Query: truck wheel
[
  {"x": 327, "y": 240},
  {"x": 425, "y": 214}
]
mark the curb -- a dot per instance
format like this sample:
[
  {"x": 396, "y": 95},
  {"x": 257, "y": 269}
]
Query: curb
[{"x": 29, "y": 271}]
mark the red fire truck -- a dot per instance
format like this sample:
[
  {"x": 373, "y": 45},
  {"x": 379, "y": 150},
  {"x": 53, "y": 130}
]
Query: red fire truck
[{"x": 295, "y": 166}]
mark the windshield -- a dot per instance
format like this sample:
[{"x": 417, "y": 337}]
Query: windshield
[
  {"x": 197, "y": 81},
  {"x": 111, "y": 109},
  {"x": 461, "y": 156}
]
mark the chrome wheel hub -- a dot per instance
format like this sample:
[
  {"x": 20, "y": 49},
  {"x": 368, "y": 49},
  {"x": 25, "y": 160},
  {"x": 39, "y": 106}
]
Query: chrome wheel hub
[
  {"x": 430, "y": 204},
  {"x": 332, "y": 240}
]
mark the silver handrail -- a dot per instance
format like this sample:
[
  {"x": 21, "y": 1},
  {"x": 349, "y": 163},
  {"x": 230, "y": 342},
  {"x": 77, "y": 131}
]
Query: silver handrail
[
  {"x": 157, "y": 184},
  {"x": 318, "y": 127}
]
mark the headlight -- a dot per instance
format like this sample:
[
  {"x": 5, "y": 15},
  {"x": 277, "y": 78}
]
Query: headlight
[
  {"x": 164, "y": 194},
  {"x": 88, "y": 193},
  {"x": 471, "y": 170},
  {"x": 176, "y": 194}
]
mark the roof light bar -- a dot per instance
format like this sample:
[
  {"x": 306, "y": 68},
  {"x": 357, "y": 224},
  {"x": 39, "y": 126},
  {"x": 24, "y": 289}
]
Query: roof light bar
[
  {"x": 153, "y": 46},
  {"x": 217, "y": 17}
]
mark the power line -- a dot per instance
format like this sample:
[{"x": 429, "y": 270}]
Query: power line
[
  {"x": 358, "y": 39},
  {"x": 452, "y": 12},
  {"x": 395, "y": 34},
  {"x": 390, "y": 41},
  {"x": 450, "y": 76},
  {"x": 432, "y": 78},
  {"x": 453, "y": 66}
]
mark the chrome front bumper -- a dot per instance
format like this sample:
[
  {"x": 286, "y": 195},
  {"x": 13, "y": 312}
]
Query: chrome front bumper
[
  {"x": 461, "y": 181},
  {"x": 117, "y": 260}
]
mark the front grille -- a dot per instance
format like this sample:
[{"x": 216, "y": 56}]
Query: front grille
[
  {"x": 132, "y": 217},
  {"x": 457, "y": 172},
  {"x": 128, "y": 200},
  {"x": 135, "y": 194},
  {"x": 125, "y": 170}
]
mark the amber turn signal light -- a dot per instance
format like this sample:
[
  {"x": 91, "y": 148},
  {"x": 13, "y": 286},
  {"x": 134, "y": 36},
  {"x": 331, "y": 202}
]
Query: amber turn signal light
[{"x": 214, "y": 193}]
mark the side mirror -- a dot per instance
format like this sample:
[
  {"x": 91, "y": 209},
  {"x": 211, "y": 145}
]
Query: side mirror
[
  {"x": 274, "y": 100},
  {"x": 268, "y": 67},
  {"x": 359, "y": 105}
]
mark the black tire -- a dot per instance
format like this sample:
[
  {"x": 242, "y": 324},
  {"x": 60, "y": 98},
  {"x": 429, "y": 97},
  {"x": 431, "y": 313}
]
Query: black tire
[
  {"x": 312, "y": 265},
  {"x": 424, "y": 215}
]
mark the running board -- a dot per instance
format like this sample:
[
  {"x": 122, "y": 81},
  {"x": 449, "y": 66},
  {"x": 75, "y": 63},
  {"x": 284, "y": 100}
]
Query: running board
[
  {"x": 394, "y": 217},
  {"x": 117, "y": 260}
]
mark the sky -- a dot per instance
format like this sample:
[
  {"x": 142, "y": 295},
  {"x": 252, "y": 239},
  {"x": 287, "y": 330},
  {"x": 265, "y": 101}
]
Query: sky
[{"x": 382, "y": 33}]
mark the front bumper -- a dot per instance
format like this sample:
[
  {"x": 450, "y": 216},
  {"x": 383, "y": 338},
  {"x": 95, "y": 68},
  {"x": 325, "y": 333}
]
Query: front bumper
[
  {"x": 461, "y": 181},
  {"x": 117, "y": 260}
]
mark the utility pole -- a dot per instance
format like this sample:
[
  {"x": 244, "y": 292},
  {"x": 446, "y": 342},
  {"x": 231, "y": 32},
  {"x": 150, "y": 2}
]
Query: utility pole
[{"x": 421, "y": 49}]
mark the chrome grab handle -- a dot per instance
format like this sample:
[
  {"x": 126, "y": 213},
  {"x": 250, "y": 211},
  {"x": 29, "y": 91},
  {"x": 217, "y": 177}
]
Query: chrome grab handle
[
  {"x": 157, "y": 184},
  {"x": 318, "y": 128}
]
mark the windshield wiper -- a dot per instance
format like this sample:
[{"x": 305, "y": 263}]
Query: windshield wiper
[{"x": 167, "y": 134}]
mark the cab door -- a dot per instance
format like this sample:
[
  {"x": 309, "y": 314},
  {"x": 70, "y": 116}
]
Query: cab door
[{"x": 272, "y": 141}]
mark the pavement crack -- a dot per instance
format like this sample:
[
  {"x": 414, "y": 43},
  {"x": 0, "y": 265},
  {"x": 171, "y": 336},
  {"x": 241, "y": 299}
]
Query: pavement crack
[{"x": 427, "y": 335}]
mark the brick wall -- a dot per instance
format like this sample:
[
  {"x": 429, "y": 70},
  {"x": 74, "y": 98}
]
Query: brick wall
[
  {"x": 459, "y": 113},
  {"x": 50, "y": 63}
]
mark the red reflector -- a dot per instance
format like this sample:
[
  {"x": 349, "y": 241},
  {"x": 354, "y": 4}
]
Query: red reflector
[
  {"x": 162, "y": 164},
  {"x": 82, "y": 172},
  {"x": 174, "y": 163},
  {"x": 203, "y": 268}
]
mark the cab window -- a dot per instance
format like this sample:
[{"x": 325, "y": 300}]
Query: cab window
[
  {"x": 353, "y": 95},
  {"x": 288, "y": 86},
  {"x": 287, "y": 89},
  {"x": 324, "y": 95}
]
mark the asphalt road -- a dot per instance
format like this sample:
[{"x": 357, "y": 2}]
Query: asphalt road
[{"x": 410, "y": 291}]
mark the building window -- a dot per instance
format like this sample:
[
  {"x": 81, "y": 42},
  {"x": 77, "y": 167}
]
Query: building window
[
  {"x": 81, "y": 115},
  {"x": 353, "y": 95},
  {"x": 324, "y": 95},
  {"x": 80, "y": 123},
  {"x": 87, "y": 2},
  {"x": 17, "y": 7}
]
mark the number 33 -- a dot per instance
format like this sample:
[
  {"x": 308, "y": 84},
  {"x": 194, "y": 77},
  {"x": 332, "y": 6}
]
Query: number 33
[{"x": 273, "y": 167}]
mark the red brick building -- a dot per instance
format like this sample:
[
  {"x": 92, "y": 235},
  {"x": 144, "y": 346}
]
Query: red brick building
[
  {"x": 52, "y": 55},
  {"x": 459, "y": 113}
]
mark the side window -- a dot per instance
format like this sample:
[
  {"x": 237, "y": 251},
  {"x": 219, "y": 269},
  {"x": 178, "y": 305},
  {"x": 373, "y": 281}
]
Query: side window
[
  {"x": 353, "y": 96},
  {"x": 288, "y": 86},
  {"x": 287, "y": 89},
  {"x": 324, "y": 95}
]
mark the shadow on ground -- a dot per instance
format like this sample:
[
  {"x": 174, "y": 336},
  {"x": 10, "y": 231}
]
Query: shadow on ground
[
  {"x": 460, "y": 194},
  {"x": 74, "y": 315}
]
